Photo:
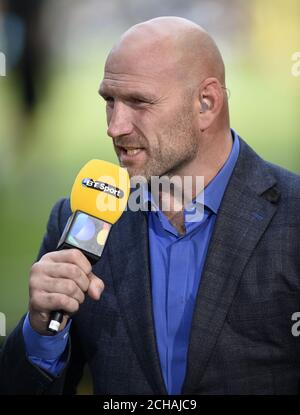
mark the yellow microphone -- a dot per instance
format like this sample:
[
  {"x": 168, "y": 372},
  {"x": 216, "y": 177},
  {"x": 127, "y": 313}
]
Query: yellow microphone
[{"x": 98, "y": 198}]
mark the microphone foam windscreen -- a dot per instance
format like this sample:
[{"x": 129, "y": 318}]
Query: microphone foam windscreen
[{"x": 101, "y": 189}]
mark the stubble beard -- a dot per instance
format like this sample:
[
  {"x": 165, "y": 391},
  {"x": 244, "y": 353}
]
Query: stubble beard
[{"x": 177, "y": 146}]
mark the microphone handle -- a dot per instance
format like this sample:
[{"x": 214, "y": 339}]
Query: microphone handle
[{"x": 56, "y": 317}]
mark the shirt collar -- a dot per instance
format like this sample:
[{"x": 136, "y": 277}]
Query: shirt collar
[{"x": 214, "y": 191}]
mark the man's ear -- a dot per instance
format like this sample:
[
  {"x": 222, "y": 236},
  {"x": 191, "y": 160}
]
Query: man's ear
[{"x": 211, "y": 99}]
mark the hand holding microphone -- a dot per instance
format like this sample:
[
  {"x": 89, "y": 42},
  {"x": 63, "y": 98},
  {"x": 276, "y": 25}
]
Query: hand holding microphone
[{"x": 60, "y": 280}]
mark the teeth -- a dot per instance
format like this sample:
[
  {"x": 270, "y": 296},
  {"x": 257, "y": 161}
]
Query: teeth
[{"x": 133, "y": 152}]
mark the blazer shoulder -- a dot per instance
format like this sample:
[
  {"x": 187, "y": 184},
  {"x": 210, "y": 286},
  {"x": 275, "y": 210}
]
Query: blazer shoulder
[
  {"x": 60, "y": 213},
  {"x": 288, "y": 181},
  {"x": 274, "y": 183},
  {"x": 261, "y": 175},
  {"x": 56, "y": 223}
]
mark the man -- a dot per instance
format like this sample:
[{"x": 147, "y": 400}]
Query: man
[{"x": 172, "y": 306}]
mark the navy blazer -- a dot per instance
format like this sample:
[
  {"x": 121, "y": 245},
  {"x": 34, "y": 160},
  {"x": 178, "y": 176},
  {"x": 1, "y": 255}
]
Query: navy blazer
[{"x": 241, "y": 338}]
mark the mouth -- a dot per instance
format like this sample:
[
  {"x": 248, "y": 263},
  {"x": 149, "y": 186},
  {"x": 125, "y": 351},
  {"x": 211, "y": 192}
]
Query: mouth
[{"x": 128, "y": 154}]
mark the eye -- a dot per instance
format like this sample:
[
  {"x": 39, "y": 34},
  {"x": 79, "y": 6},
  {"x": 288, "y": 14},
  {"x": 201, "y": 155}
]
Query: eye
[
  {"x": 109, "y": 101},
  {"x": 139, "y": 102}
]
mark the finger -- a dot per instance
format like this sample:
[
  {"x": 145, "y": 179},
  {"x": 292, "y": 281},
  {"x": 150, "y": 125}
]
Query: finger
[
  {"x": 96, "y": 287},
  {"x": 46, "y": 302},
  {"x": 72, "y": 256},
  {"x": 62, "y": 286},
  {"x": 59, "y": 270}
]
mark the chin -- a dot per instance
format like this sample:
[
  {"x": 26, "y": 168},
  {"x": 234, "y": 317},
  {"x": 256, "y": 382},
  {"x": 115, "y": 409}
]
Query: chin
[{"x": 134, "y": 170}]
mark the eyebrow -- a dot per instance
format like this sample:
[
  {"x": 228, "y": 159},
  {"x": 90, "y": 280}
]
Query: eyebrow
[
  {"x": 101, "y": 92},
  {"x": 132, "y": 95}
]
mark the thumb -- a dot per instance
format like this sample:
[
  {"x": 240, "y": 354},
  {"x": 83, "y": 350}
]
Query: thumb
[{"x": 96, "y": 287}]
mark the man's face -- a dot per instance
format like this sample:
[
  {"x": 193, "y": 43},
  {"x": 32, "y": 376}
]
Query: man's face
[{"x": 149, "y": 116}]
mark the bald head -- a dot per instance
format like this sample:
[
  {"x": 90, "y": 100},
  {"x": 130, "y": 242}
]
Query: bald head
[
  {"x": 165, "y": 102},
  {"x": 172, "y": 44}
]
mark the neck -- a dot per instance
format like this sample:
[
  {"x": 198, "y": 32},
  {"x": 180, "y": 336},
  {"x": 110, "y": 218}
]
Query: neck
[{"x": 212, "y": 155}]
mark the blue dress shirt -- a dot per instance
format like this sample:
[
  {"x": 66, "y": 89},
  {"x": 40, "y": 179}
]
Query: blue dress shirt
[
  {"x": 47, "y": 352},
  {"x": 176, "y": 267}
]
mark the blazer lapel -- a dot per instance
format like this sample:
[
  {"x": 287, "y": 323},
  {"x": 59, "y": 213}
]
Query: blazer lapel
[
  {"x": 243, "y": 216},
  {"x": 129, "y": 258}
]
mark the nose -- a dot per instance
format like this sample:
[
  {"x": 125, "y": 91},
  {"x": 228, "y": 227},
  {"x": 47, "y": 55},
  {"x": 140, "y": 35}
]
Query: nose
[{"x": 119, "y": 120}]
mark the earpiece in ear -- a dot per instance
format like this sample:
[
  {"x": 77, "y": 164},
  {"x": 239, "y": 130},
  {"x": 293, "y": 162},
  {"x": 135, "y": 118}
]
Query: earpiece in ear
[{"x": 204, "y": 105}]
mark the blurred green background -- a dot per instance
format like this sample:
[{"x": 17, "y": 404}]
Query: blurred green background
[{"x": 47, "y": 136}]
